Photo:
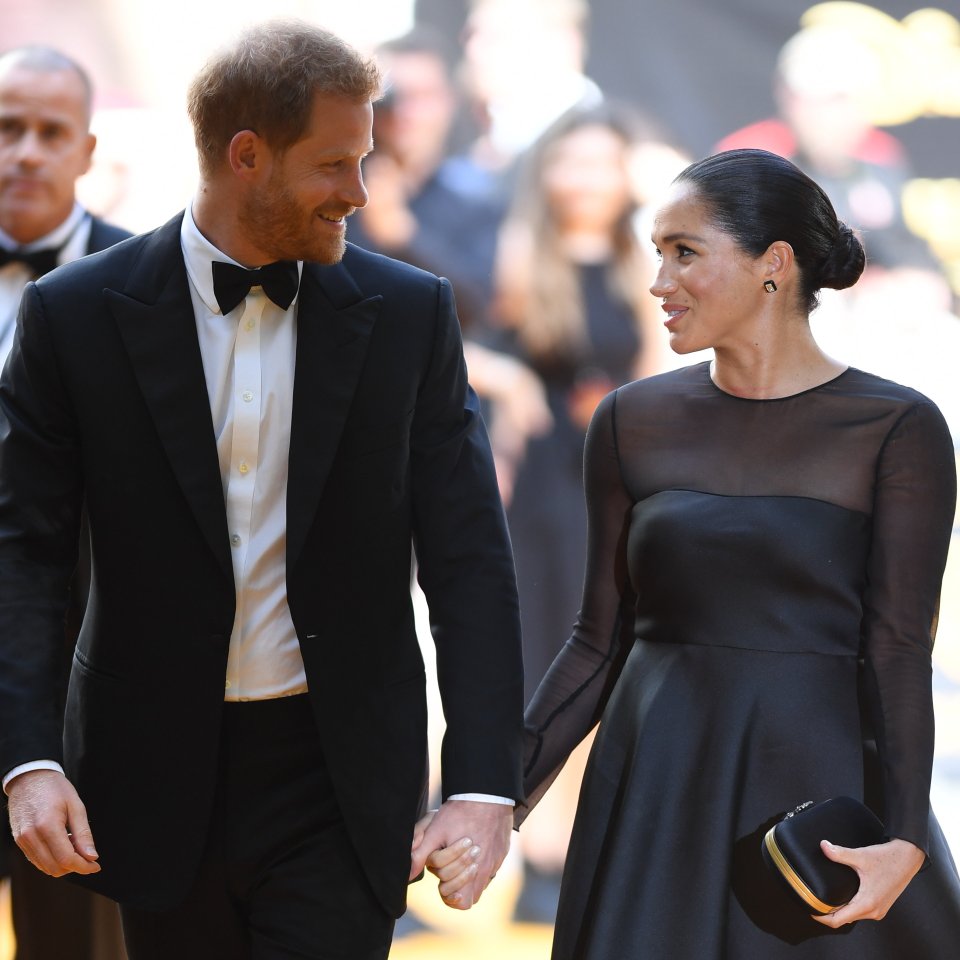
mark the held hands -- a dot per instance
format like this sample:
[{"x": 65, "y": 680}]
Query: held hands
[
  {"x": 462, "y": 844},
  {"x": 884, "y": 869},
  {"x": 49, "y": 823}
]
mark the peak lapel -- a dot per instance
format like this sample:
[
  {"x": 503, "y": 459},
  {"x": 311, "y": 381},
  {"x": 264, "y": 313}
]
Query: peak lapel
[
  {"x": 155, "y": 317},
  {"x": 334, "y": 324}
]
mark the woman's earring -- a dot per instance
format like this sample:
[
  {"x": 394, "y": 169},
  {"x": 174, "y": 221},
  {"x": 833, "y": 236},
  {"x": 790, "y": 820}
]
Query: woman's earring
[{"x": 769, "y": 286}]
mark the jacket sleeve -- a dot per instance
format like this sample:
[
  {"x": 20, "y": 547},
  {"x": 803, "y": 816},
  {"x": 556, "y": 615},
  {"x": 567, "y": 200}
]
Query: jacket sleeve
[
  {"x": 40, "y": 506},
  {"x": 465, "y": 567}
]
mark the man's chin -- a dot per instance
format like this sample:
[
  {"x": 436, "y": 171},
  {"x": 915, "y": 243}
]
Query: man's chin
[
  {"x": 326, "y": 253},
  {"x": 25, "y": 220}
]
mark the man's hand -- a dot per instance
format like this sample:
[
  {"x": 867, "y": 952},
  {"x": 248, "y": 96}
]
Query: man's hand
[
  {"x": 478, "y": 835},
  {"x": 49, "y": 823}
]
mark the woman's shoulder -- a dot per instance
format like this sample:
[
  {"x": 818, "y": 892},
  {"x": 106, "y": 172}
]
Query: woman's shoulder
[
  {"x": 654, "y": 399},
  {"x": 873, "y": 389},
  {"x": 669, "y": 386},
  {"x": 892, "y": 408}
]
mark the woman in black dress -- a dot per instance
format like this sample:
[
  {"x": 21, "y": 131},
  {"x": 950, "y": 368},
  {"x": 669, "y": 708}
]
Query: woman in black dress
[{"x": 767, "y": 537}]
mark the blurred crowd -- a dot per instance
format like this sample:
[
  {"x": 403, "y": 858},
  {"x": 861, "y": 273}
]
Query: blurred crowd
[{"x": 501, "y": 165}]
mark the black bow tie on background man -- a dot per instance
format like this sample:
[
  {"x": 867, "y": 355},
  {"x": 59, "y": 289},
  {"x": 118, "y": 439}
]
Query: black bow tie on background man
[
  {"x": 231, "y": 283},
  {"x": 39, "y": 262}
]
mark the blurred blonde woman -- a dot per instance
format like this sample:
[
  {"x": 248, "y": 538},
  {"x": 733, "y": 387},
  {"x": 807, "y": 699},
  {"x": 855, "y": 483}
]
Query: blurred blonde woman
[{"x": 573, "y": 307}]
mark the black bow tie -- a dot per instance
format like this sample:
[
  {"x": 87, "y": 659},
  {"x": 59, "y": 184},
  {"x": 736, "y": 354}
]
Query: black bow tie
[
  {"x": 38, "y": 261},
  {"x": 231, "y": 283}
]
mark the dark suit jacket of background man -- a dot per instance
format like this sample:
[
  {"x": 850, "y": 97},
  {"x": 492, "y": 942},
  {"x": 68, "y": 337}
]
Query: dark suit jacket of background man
[{"x": 104, "y": 398}]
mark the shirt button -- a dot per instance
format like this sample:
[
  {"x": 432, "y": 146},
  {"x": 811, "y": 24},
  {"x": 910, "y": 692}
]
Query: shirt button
[
  {"x": 235, "y": 540},
  {"x": 243, "y": 468},
  {"x": 227, "y": 685},
  {"x": 250, "y": 324},
  {"x": 247, "y": 395}
]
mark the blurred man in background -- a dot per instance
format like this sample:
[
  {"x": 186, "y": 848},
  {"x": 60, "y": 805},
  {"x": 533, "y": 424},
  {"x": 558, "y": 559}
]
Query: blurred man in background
[{"x": 422, "y": 209}]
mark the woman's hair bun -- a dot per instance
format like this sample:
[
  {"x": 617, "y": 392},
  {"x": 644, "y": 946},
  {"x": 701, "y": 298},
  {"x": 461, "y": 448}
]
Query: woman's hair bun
[{"x": 845, "y": 261}]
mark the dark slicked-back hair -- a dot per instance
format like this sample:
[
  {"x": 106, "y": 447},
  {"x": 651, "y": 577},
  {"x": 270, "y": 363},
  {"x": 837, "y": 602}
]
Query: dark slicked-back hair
[
  {"x": 267, "y": 81},
  {"x": 757, "y": 197},
  {"x": 48, "y": 60}
]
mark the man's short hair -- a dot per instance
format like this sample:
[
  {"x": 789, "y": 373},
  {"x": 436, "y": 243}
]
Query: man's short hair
[
  {"x": 43, "y": 59},
  {"x": 267, "y": 81}
]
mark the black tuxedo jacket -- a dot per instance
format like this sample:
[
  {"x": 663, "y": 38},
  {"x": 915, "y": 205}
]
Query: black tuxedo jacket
[
  {"x": 102, "y": 235},
  {"x": 104, "y": 402}
]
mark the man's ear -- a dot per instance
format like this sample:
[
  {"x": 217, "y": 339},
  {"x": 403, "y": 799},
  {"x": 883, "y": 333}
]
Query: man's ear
[
  {"x": 90, "y": 144},
  {"x": 247, "y": 154}
]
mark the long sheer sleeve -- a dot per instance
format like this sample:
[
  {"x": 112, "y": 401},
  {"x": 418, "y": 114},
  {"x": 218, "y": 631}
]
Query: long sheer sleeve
[
  {"x": 914, "y": 504},
  {"x": 570, "y": 699}
]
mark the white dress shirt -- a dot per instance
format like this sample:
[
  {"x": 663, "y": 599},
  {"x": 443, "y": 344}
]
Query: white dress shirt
[{"x": 249, "y": 357}]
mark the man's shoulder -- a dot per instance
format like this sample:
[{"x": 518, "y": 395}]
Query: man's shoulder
[
  {"x": 363, "y": 264},
  {"x": 113, "y": 265},
  {"x": 377, "y": 275}
]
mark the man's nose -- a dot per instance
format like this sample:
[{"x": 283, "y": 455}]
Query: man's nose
[
  {"x": 353, "y": 189},
  {"x": 28, "y": 149}
]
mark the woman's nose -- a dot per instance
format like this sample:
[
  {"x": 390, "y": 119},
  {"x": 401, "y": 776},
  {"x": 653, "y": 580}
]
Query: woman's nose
[{"x": 663, "y": 284}]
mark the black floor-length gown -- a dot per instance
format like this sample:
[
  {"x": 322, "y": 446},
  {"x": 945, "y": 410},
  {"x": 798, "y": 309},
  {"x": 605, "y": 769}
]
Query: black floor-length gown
[{"x": 762, "y": 582}]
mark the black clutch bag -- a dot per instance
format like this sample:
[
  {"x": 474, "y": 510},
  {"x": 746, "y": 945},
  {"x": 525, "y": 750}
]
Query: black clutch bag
[{"x": 791, "y": 849}]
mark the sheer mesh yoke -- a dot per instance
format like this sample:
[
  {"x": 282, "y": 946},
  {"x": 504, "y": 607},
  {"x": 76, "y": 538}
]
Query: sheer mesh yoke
[{"x": 815, "y": 525}]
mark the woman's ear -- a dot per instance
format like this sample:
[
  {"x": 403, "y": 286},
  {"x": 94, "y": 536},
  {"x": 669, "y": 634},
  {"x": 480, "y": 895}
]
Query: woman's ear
[{"x": 778, "y": 262}]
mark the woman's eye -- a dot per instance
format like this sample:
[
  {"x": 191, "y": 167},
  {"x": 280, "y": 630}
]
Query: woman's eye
[{"x": 683, "y": 251}]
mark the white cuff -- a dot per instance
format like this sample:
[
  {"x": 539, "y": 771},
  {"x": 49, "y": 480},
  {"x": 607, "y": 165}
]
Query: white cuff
[
  {"x": 32, "y": 765},
  {"x": 483, "y": 798}
]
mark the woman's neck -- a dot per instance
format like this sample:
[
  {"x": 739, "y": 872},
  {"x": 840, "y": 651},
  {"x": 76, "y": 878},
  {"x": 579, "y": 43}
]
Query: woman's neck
[{"x": 766, "y": 371}]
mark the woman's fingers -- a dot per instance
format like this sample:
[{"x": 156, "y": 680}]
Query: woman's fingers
[{"x": 449, "y": 862}]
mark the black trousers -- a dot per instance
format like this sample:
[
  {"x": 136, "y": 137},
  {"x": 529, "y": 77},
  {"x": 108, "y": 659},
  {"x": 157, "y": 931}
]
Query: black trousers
[{"x": 279, "y": 879}]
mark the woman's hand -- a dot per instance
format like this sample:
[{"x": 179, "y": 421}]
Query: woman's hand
[
  {"x": 454, "y": 866},
  {"x": 884, "y": 869}
]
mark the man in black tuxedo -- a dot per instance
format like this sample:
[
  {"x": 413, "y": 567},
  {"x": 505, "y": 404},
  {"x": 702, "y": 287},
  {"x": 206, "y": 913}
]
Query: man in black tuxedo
[
  {"x": 256, "y": 449},
  {"x": 45, "y": 146}
]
